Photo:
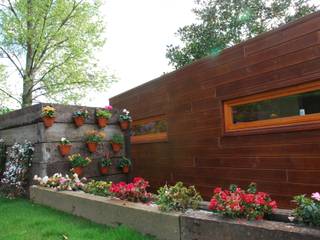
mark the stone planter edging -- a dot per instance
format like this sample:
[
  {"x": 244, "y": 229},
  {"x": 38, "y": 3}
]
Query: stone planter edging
[{"x": 147, "y": 219}]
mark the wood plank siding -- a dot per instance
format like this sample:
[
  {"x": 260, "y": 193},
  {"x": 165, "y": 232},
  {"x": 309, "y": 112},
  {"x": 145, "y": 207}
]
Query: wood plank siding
[{"x": 283, "y": 163}]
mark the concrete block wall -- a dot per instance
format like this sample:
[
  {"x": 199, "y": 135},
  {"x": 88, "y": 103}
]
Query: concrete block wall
[{"x": 26, "y": 124}]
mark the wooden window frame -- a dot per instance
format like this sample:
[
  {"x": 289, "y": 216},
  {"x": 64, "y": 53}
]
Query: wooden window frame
[
  {"x": 270, "y": 124},
  {"x": 149, "y": 138}
]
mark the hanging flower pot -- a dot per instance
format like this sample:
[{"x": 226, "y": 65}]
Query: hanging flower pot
[
  {"x": 92, "y": 146},
  {"x": 79, "y": 121},
  {"x": 116, "y": 147},
  {"x": 48, "y": 121},
  {"x": 125, "y": 169},
  {"x": 78, "y": 170},
  {"x": 124, "y": 125},
  {"x": 104, "y": 170},
  {"x": 65, "y": 149},
  {"x": 102, "y": 122}
]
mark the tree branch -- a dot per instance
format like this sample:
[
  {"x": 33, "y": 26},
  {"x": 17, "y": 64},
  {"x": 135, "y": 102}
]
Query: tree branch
[
  {"x": 10, "y": 95},
  {"x": 13, "y": 62}
]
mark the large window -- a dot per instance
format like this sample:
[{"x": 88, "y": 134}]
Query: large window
[
  {"x": 290, "y": 106},
  {"x": 153, "y": 129}
]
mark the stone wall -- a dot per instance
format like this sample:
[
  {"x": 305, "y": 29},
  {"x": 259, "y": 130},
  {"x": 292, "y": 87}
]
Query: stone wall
[{"x": 26, "y": 124}]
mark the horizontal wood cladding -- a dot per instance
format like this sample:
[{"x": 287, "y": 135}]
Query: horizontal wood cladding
[{"x": 198, "y": 152}]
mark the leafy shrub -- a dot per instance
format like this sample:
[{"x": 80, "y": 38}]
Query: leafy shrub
[
  {"x": 238, "y": 203},
  {"x": 4, "y": 110},
  {"x": 308, "y": 209},
  {"x": 178, "y": 198},
  {"x": 117, "y": 139},
  {"x": 61, "y": 183},
  {"x": 95, "y": 136},
  {"x": 13, "y": 182},
  {"x": 77, "y": 160},
  {"x": 124, "y": 162},
  {"x": 100, "y": 188},
  {"x": 81, "y": 113},
  {"x": 105, "y": 162},
  {"x": 133, "y": 192}
]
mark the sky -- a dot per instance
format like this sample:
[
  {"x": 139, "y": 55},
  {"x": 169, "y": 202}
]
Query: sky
[{"x": 137, "y": 35}]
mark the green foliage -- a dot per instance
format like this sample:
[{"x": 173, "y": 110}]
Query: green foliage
[
  {"x": 23, "y": 220},
  {"x": 100, "y": 188},
  {"x": 95, "y": 136},
  {"x": 52, "y": 45},
  {"x": 103, "y": 113},
  {"x": 77, "y": 160},
  {"x": 178, "y": 198},
  {"x": 224, "y": 23},
  {"x": 105, "y": 162},
  {"x": 4, "y": 110},
  {"x": 124, "y": 162},
  {"x": 64, "y": 141},
  {"x": 81, "y": 113},
  {"x": 117, "y": 139},
  {"x": 307, "y": 211}
]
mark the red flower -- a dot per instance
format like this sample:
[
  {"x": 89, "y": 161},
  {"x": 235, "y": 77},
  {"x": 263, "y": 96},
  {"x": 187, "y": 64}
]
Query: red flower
[
  {"x": 213, "y": 204},
  {"x": 248, "y": 198},
  {"x": 217, "y": 190},
  {"x": 273, "y": 204}
]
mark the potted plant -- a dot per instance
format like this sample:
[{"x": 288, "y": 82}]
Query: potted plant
[
  {"x": 103, "y": 116},
  {"x": 64, "y": 146},
  {"x": 125, "y": 119},
  {"x": 105, "y": 163},
  {"x": 116, "y": 142},
  {"x": 93, "y": 138},
  {"x": 80, "y": 116},
  {"x": 124, "y": 164},
  {"x": 78, "y": 162},
  {"x": 48, "y": 116}
]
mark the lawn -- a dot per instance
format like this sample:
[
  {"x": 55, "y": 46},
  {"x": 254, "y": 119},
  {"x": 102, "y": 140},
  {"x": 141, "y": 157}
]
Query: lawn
[{"x": 23, "y": 220}]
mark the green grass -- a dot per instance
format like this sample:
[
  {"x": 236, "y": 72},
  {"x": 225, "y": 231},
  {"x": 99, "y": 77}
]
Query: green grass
[{"x": 23, "y": 220}]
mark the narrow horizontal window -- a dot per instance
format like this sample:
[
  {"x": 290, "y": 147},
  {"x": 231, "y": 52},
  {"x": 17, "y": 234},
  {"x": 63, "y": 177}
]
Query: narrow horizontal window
[
  {"x": 153, "y": 129},
  {"x": 289, "y": 106}
]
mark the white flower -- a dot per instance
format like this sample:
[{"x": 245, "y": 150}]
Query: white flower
[
  {"x": 45, "y": 179},
  {"x": 63, "y": 139},
  {"x": 291, "y": 219},
  {"x": 35, "y": 177}
]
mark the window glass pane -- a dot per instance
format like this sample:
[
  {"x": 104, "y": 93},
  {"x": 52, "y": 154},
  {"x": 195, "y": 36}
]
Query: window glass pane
[
  {"x": 152, "y": 127},
  {"x": 293, "y": 105}
]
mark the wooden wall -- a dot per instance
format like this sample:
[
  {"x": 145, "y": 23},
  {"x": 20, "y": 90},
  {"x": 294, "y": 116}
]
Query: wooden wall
[{"x": 197, "y": 151}]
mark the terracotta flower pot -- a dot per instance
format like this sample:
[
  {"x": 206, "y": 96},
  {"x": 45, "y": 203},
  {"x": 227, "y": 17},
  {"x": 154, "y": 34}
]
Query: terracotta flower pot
[
  {"x": 92, "y": 146},
  {"x": 102, "y": 122},
  {"x": 125, "y": 169},
  {"x": 65, "y": 149},
  {"x": 104, "y": 170},
  {"x": 78, "y": 121},
  {"x": 78, "y": 170},
  {"x": 124, "y": 125},
  {"x": 48, "y": 121},
  {"x": 116, "y": 147}
]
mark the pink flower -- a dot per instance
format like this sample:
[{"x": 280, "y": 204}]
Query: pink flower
[
  {"x": 316, "y": 196},
  {"x": 217, "y": 190},
  {"x": 109, "y": 107}
]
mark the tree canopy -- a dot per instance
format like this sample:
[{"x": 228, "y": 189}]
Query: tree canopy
[
  {"x": 224, "y": 23},
  {"x": 51, "y": 44}
]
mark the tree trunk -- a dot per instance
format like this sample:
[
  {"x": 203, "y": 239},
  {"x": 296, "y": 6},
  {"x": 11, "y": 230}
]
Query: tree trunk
[{"x": 28, "y": 74}]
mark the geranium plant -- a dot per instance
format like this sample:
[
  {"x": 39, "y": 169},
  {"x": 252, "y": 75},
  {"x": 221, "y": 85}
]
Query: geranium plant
[
  {"x": 48, "y": 114},
  {"x": 125, "y": 119},
  {"x": 117, "y": 142},
  {"x": 64, "y": 146},
  {"x": 239, "y": 203},
  {"x": 103, "y": 115},
  {"x": 100, "y": 188},
  {"x": 105, "y": 162},
  {"x": 61, "y": 183},
  {"x": 93, "y": 138},
  {"x": 308, "y": 209},
  {"x": 78, "y": 162},
  {"x": 178, "y": 197},
  {"x": 124, "y": 164},
  {"x": 134, "y": 192},
  {"x": 79, "y": 116}
]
